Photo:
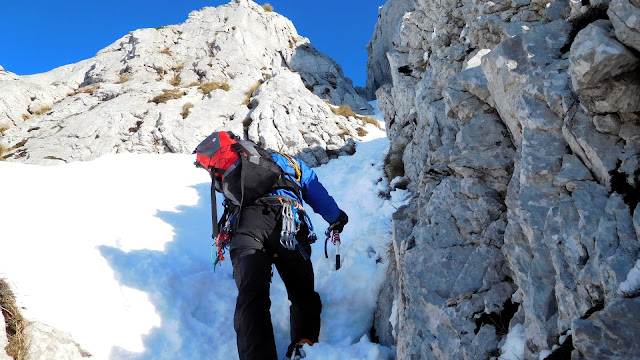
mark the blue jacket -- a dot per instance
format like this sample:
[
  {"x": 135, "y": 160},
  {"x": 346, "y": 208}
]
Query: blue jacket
[{"x": 313, "y": 192}]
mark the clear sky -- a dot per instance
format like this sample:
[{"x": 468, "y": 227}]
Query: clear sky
[{"x": 39, "y": 35}]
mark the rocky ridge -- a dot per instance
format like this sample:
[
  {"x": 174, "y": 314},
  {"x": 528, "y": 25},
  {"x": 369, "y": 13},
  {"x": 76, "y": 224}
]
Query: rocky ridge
[
  {"x": 516, "y": 126},
  {"x": 164, "y": 89}
]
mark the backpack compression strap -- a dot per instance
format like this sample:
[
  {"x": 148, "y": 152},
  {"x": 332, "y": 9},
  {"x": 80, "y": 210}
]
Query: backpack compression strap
[{"x": 214, "y": 209}]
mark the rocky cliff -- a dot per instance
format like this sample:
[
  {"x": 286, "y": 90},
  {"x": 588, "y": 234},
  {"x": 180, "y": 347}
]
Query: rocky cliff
[
  {"x": 237, "y": 67},
  {"x": 516, "y": 126}
]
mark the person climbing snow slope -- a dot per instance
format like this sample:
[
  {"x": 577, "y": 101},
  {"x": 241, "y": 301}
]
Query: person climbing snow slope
[{"x": 264, "y": 224}]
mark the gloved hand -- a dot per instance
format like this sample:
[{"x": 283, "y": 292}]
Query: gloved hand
[{"x": 340, "y": 222}]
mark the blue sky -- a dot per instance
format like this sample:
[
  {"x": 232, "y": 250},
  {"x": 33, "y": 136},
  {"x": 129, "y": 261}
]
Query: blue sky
[{"x": 39, "y": 35}]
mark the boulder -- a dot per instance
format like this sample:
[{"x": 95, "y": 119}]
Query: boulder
[
  {"x": 598, "y": 62},
  {"x": 46, "y": 342},
  {"x": 625, "y": 17}
]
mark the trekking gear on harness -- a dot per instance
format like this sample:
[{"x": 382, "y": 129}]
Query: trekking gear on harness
[
  {"x": 290, "y": 227},
  {"x": 222, "y": 240},
  {"x": 293, "y": 215}
]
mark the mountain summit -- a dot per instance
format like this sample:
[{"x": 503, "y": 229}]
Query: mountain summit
[{"x": 239, "y": 67}]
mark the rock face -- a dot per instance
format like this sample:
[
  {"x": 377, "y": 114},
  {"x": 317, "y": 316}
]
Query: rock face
[
  {"x": 164, "y": 89},
  {"x": 389, "y": 16},
  {"x": 46, "y": 342},
  {"x": 515, "y": 125}
]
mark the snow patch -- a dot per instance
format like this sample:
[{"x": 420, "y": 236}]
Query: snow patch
[
  {"x": 513, "y": 348},
  {"x": 124, "y": 244},
  {"x": 632, "y": 284}
]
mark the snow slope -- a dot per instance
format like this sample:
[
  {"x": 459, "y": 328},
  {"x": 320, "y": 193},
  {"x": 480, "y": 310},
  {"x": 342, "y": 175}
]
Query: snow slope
[{"x": 116, "y": 252}]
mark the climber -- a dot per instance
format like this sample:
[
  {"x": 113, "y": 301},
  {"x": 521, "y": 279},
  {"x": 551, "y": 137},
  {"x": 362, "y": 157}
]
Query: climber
[{"x": 268, "y": 229}]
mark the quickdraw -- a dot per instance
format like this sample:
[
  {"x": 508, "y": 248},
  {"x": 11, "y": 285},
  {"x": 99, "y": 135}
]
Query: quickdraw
[
  {"x": 293, "y": 215},
  {"x": 290, "y": 226}
]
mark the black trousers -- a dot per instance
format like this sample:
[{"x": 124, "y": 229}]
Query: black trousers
[{"x": 255, "y": 246}]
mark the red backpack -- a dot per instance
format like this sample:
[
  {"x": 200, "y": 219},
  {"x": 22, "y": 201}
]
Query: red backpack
[{"x": 240, "y": 170}]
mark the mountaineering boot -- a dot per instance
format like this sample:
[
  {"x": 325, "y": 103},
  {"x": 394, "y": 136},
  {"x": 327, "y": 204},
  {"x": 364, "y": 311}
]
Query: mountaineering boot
[{"x": 295, "y": 352}]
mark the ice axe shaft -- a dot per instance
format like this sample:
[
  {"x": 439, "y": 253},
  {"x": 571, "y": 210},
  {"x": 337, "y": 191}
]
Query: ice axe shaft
[{"x": 335, "y": 239}]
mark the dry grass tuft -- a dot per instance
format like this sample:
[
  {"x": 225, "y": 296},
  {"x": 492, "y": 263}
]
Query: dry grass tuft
[
  {"x": 175, "y": 81},
  {"x": 346, "y": 111},
  {"x": 4, "y": 128},
  {"x": 166, "y": 51},
  {"x": 15, "y": 323},
  {"x": 26, "y": 117},
  {"x": 370, "y": 120},
  {"x": 343, "y": 110},
  {"x": 123, "y": 79},
  {"x": 185, "y": 110},
  {"x": 213, "y": 85},
  {"x": 267, "y": 7},
  {"x": 85, "y": 89},
  {"x": 42, "y": 110},
  {"x": 3, "y": 150},
  {"x": 246, "y": 123},
  {"x": 250, "y": 92},
  {"x": 167, "y": 95},
  {"x": 361, "y": 132},
  {"x": 344, "y": 132}
]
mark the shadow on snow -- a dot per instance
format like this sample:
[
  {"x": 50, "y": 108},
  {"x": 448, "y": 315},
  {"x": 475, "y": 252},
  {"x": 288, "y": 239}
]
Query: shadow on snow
[{"x": 194, "y": 303}]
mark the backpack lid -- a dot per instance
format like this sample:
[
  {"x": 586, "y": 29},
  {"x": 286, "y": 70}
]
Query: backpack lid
[{"x": 216, "y": 152}]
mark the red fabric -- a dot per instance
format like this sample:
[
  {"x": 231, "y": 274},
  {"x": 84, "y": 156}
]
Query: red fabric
[{"x": 223, "y": 153}]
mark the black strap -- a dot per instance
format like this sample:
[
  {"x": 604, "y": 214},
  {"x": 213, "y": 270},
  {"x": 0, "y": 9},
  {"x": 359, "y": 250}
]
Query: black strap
[{"x": 214, "y": 210}]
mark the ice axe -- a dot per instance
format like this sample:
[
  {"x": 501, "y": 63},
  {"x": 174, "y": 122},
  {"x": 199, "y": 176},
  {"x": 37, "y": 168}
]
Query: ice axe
[{"x": 335, "y": 239}]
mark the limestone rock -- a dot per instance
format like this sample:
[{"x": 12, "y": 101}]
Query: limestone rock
[
  {"x": 598, "y": 61},
  {"x": 474, "y": 81},
  {"x": 389, "y": 16},
  {"x": 572, "y": 172},
  {"x": 611, "y": 333},
  {"x": 608, "y": 124},
  {"x": 163, "y": 90},
  {"x": 625, "y": 17},
  {"x": 297, "y": 123},
  {"x": 49, "y": 343},
  {"x": 3, "y": 340},
  {"x": 596, "y": 55},
  {"x": 535, "y": 153},
  {"x": 600, "y": 152}
]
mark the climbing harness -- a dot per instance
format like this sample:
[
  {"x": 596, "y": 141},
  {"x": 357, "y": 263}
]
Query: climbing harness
[{"x": 335, "y": 239}]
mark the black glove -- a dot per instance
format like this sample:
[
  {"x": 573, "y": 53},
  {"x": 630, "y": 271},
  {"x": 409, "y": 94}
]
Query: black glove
[{"x": 340, "y": 222}]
